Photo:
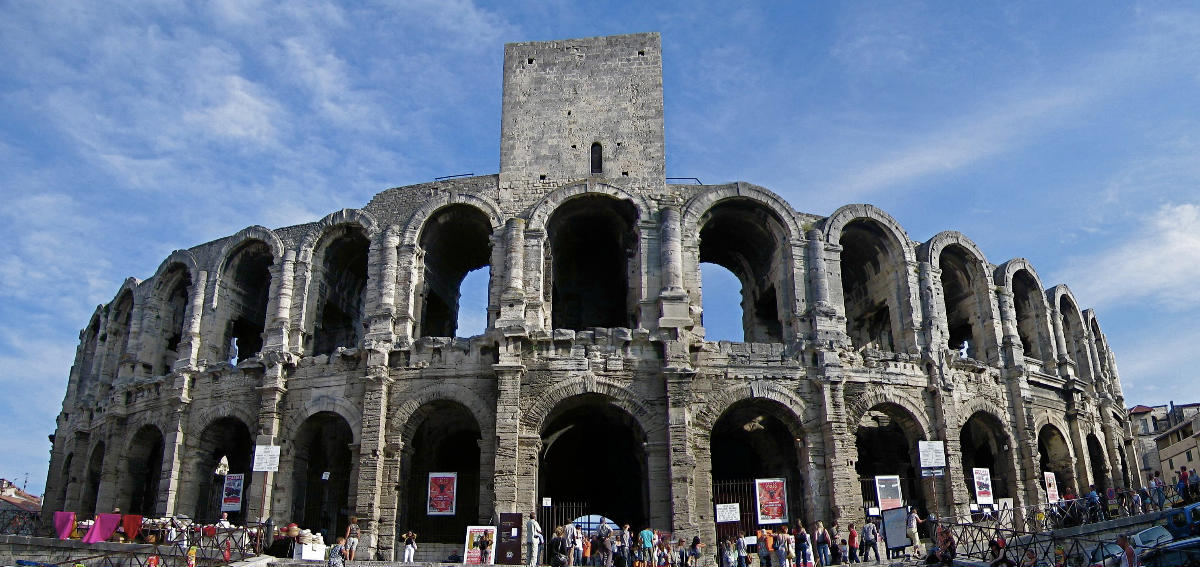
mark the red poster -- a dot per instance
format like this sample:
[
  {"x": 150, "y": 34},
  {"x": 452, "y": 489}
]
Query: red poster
[
  {"x": 480, "y": 547},
  {"x": 443, "y": 494},
  {"x": 772, "y": 500}
]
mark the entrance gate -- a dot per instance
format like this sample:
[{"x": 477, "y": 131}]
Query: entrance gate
[
  {"x": 742, "y": 492},
  {"x": 561, "y": 514}
]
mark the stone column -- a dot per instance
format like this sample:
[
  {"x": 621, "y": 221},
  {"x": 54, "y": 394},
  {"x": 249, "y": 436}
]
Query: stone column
[
  {"x": 407, "y": 277},
  {"x": 172, "y": 464},
  {"x": 261, "y": 492},
  {"x": 387, "y": 271},
  {"x": 76, "y": 476},
  {"x": 682, "y": 463},
  {"x": 1013, "y": 352},
  {"x": 1060, "y": 342},
  {"x": 1110, "y": 443},
  {"x": 512, "y": 300},
  {"x": 389, "y": 500},
  {"x": 817, "y": 276},
  {"x": 840, "y": 446},
  {"x": 508, "y": 477},
  {"x": 671, "y": 250},
  {"x": 371, "y": 460},
  {"x": 1079, "y": 447},
  {"x": 114, "y": 456},
  {"x": 189, "y": 347}
]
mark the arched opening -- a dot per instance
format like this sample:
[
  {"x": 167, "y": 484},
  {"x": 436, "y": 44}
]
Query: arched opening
[
  {"x": 445, "y": 440},
  {"x": 340, "y": 285},
  {"x": 1102, "y": 352},
  {"x": 886, "y": 439},
  {"x": 985, "y": 445},
  {"x": 224, "y": 447},
  {"x": 1030, "y": 312},
  {"x": 321, "y": 469},
  {"x": 172, "y": 293},
  {"x": 91, "y": 488},
  {"x": 869, "y": 285},
  {"x": 1073, "y": 332},
  {"x": 1055, "y": 457},
  {"x": 456, "y": 241},
  {"x": 143, "y": 469},
  {"x": 597, "y": 158},
  {"x": 87, "y": 360},
  {"x": 965, "y": 310},
  {"x": 721, "y": 292},
  {"x": 744, "y": 237},
  {"x": 245, "y": 292},
  {"x": 590, "y": 446},
  {"x": 116, "y": 336},
  {"x": 753, "y": 439},
  {"x": 1099, "y": 463},
  {"x": 65, "y": 481},
  {"x": 592, "y": 240}
]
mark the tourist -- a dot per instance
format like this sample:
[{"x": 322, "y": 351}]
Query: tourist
[
  {"x": 729, "y": 551},
  {"x": 997, "y": 556},
  {"x": 533, "y": 539},
  {"x": 843, "y": 552},
  {"x": 352, "y": 533},
  {"x": 225, "y": 523},
  {"x": 580, "y": 538},
  {"x": 625, "y": 539},
  {"x": 556, "y": 550},
  {"x": 570, "y": 534},
  {"x": 835, "y": 549},
  {"x": 1030, "y": 559},
  {"x": 646, "y": 541},
  {"x": 694, "y": 551},
  {"x": 852, "y": 543},
  {"x": 410, "y": 546},
  {"x": 765, "y": 548},
  {"x": 337, "y": 554},
  {"x": 1136, "y": 507},
  {"x": 1128, "y": 555},
  {"x": 1181, "y": 485},
  {"x": 802, "y": 547},
  {"x": 783, "y": 544},
  {"x": 913, "y": 521},
  {"x": 1194, "y": 483},
  {"x": 870, "y": 541},
  {"x": 743, "y": 557},
  {"x": 603, "y": 551},
  {"x": 1160, "y": 496},
  {"x": 587, "y": 550},
  {"x": 822, "y": 541}
]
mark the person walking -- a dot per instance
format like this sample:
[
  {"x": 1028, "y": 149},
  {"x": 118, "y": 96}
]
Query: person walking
[
  {"x": 352, "y": 533},
  {"x": 625, "y": 539},
  {"x": 743, "y": 557},
  {"x": 337, "y": 554},
  {"x": 913, "y": 521},
  {"x": 765, "y": 548},
  {"x": 570, "y": 534},
  {"x": 782, "y": 541},
  {"x": 870, "y": 541},
  {"x": 410, "y": 546},
  {"x": 1194, "y": 483},
  {"x": 604, "y": 537},
  {"x": 822, "y": 540},
  {"x": 646, "y": 541},
  {"x": 852, "y": 543},
  {"x": 1129, "y": 557},
  {"x": 802, "y": 547},
  {"x": 533, "y": 538}
]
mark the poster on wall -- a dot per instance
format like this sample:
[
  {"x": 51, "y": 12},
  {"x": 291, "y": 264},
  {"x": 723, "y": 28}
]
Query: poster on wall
[
  {"x": 887, "y": 490},
  {"x": 983, "y": 487},
  {"x": 771, "y": 498},
  {"x": 1051, "y": 488},
  {"x": 231, "y": 494},
  {"x": 443, "y": 494},
  {"x": 480, "y": 547}
]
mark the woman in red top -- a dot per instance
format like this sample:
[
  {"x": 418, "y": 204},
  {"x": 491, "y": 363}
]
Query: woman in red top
[{"x": 852, "y": 543}]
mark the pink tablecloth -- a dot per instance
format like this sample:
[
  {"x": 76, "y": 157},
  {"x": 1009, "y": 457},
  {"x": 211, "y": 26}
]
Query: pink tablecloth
[
  {"x": 103, "y": 528},
  {"x": 64, "y": 524}
]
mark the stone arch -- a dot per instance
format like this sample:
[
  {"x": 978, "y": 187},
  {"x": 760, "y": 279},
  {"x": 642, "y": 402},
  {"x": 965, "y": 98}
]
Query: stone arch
[
  {"x": 182, "y": 257},
  {"x": 325, "y": 403},
  {"x": 1075, "y": 331},
  {"x": 979, "y": 404},
  {"x": 411, "y": 230},
  {"x": 1055, "y": 453},
  {"x": 246, "y": 413},
  {"x": 130, "y": 287},
  {"x": 747, "y": 231},
  {"x": 1031, "y": 312},
  {"x": 835, "y": 223},
  {"x": 166, "y": 310},
  {"x": 969, "y": 310},
  {"x": 400, "y": 423},
  {"x": 708, "y": 415},
  {"x": 235, "y": 243},
  {"x": 142, "y": 466},
  {"x": 540, "y": 213},
  {"x": 710, "y": 196},
  {"x": 317, "y": 231},
  {"x": 999, "y": 443},
  {"x": 914, "y": 407},
  {"x": 533, "y": 418}
]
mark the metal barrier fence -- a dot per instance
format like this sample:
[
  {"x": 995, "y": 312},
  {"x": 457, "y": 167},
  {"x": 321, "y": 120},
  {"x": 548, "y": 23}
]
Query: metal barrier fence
[{"x": 988, "y": 543}]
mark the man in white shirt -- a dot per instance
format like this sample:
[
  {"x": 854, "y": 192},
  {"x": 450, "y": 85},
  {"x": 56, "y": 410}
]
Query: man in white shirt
[
  {"x": 533, "y": 539},
  {"x": 570, "y": 535}
]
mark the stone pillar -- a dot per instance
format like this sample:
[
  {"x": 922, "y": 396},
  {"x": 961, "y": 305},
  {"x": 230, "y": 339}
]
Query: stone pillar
[
  {"x": 671, "y": 250},
  {"x": 817, "y": 275},
  {"x": 512, "y": 300},
  {"x": 387, "y": 270},
  {"x": 389, "y": 500},
  {"x": 172, "y": 463},
  {"x": 407, "y": 278},
  {"x": 189, "y": 347},
  {"x": 1110, "y": 443},
  {"x": 278, "y": 326},
  {"x": 1079, "y": 447},
  {"x": 371, "y": 450},
  {"x": 509, "y": 443},
  {"x": 110, "y": 475},
  {"x": 1013, "y": 352},
  {"x": 75, "y": 477},
  {"x": 685, "y": 519},
  {"x": 840, "y": 447},
  {"x": 261, "y": 492},
  {"x": 1060, "y": 342}
]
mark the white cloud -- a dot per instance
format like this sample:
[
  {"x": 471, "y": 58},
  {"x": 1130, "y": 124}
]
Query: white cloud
[
  {"x": 1159, "y": 261},
  {"x": 242, "y": 110}
]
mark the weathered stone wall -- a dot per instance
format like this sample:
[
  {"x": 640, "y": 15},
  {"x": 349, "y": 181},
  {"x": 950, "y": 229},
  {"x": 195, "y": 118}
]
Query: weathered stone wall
[{"x": 818, "y": 388}]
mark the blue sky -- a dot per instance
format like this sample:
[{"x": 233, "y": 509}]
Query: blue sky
[{"x": 1067, "y": 133}]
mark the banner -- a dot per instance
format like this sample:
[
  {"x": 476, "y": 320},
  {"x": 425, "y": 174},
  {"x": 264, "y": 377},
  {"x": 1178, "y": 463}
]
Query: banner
[
  {"x": 888, "y": 492},
  {"x": 729, "y": 512},
  {"x": 480, "y": 547},
  {"x": 933, "y": 453},
  {"x": 231, "y": 496},
  {"x": 983, "y": 487},
  {"x": 266, "y": 458},
  {"x": 1051, "y": 489},
  {"x": 771, "y": 497},
  {"x": 443, "y": 494}
]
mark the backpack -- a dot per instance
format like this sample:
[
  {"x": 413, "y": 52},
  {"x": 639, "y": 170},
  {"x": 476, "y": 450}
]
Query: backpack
[
  {"x": 604, "y": 532},
  {"x": 822, "y": 537}
]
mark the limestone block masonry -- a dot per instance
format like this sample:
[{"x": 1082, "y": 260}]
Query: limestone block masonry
[{"x": 593, "y": 384}]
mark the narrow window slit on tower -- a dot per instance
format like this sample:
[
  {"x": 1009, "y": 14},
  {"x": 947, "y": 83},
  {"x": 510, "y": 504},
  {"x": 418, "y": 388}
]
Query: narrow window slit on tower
[{"x": 597, "y": 158}]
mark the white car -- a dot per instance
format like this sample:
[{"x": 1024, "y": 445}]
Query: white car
[{"x": 1151, "y": 537}]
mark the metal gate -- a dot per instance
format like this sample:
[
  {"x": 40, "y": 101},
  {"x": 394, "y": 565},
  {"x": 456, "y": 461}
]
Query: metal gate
[
  {"x": 561, "y": 514},
  {"x": 742, "y": 492}
]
